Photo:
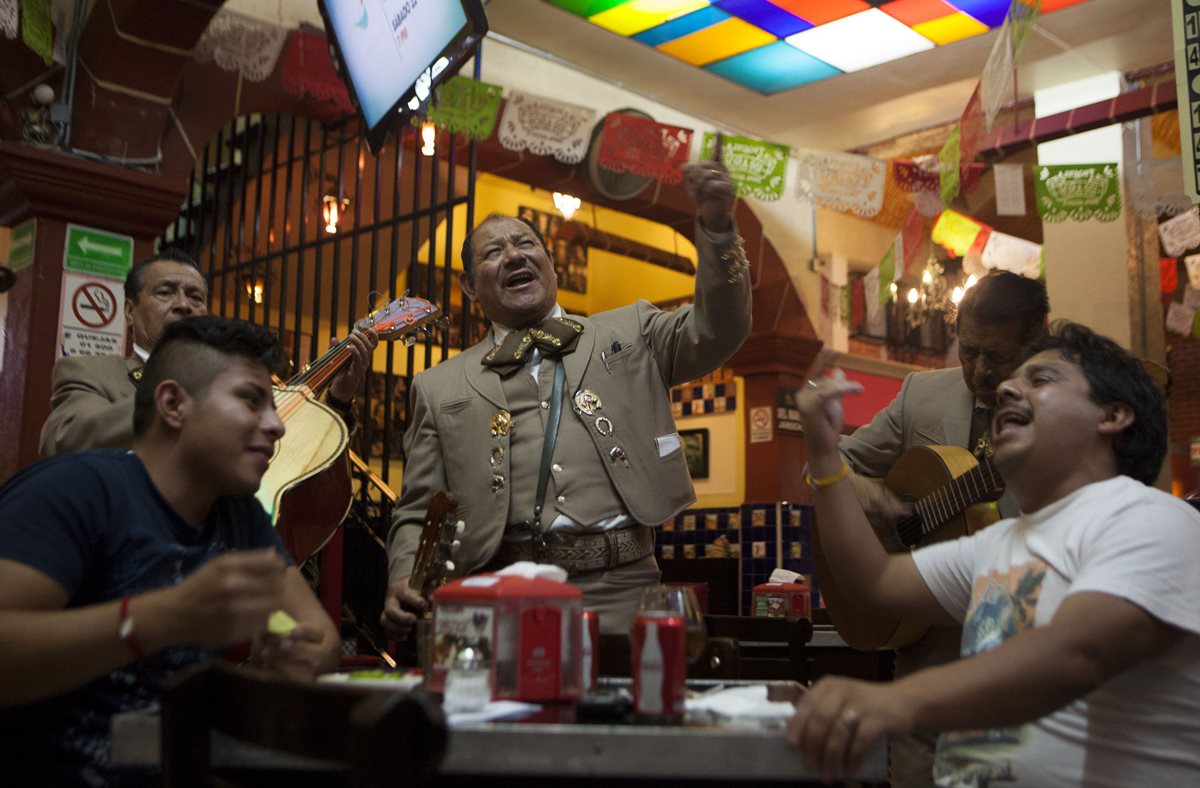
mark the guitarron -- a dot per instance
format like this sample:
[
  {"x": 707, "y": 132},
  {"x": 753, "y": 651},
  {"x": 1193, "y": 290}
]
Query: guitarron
[{"x": 945, "y": 486}]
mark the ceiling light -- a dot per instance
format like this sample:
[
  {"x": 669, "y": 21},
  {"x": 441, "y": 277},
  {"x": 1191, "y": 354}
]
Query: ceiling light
[
  {"x": 860, "y": 41},
  {"x": 566, "y": 204}
]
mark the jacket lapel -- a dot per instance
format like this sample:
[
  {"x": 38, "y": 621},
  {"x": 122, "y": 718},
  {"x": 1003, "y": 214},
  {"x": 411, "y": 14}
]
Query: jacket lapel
[
  {"x": 483, "y": 379},
  {"x": 575, "y": 364}
]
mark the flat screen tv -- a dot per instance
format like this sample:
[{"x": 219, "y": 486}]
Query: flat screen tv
[{"x": 392, "y": 53}]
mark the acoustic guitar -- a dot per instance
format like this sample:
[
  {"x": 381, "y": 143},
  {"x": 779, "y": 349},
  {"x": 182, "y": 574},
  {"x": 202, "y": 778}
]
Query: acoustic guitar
[
  {"x": 945, "y": 486},
  {"x": 439, "y": 542},
  {"x": 307, "y": 488}
]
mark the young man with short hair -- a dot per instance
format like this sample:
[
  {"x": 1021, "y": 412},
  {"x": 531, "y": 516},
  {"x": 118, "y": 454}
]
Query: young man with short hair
[{"x": 117, "y": 568}]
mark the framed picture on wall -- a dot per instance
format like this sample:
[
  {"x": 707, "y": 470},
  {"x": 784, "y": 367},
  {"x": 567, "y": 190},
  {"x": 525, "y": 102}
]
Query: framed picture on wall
[{"x": 695, "y": 452}]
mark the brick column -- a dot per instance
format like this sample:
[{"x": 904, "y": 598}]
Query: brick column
[{"x": 774, "y": 468}]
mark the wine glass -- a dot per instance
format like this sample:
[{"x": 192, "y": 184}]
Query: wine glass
[{"x": 680, "y": 601}]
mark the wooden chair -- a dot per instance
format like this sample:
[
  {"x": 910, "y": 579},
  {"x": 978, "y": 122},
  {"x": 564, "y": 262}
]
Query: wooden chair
[
  {"x": 768, "y": 648},
  {"x": 343, "y": 735}
]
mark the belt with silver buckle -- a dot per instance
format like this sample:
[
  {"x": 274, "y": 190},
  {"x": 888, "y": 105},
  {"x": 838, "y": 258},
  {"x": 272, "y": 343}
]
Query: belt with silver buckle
[{"x": 581, "y": 552}]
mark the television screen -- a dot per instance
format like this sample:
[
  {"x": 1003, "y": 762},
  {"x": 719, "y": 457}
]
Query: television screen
[{"x": 393, "y": 52}]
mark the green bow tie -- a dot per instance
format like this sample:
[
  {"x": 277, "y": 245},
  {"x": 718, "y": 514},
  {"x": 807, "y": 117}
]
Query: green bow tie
[{"x": 554, "y": 336}]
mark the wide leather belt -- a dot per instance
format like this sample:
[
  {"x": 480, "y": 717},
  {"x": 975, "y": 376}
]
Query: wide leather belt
[{"x": 582, "y": 552}]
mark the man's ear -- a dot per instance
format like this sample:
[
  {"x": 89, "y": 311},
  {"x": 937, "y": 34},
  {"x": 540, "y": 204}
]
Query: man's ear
[
  {"x": 129, "y": 312},
  {"x": 1118, "y": 417},
  {"x": 173, "y": 403},
  {"x": 466, "y": 283}
]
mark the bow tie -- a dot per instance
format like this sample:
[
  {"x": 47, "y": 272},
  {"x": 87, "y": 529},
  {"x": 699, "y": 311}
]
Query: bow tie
[{"x": 554, "y": 336}]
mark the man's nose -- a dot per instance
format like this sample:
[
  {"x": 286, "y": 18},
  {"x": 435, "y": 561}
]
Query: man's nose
[
  {"x": 273, "y": 426},
  {"x": 1007, "y": 390}
]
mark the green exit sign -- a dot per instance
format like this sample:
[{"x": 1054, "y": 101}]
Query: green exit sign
[{"x": 92, "y": 251}]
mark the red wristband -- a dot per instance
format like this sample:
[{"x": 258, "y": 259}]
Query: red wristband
[{"x": 125, "y": 629}]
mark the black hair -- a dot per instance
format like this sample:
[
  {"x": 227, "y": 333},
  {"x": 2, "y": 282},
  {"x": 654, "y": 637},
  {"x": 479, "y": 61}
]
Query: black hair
[
  {"x": 1004, "y": 297},
  {"x": 1116, "y": 375},
  {"x": 194, "y": 351},
  {"x": 468, "y": 252},
  {"x": 135, "y": 280}
]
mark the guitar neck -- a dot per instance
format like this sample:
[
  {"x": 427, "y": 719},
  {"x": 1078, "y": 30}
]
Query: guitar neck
[
  {"x": 317, "y": 375},
  {"x": 981, "y": 483}
]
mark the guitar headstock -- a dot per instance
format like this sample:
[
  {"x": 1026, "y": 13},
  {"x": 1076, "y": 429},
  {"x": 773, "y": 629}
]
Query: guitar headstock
[
  {"x": 400, "y": 317},
  {"x": 439, "y": 542}
]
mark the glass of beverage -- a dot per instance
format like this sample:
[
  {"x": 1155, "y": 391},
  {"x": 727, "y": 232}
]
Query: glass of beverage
[{"x": 680, "y": 601}]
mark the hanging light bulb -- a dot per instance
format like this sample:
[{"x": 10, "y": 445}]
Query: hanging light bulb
[
  {"x": 971, "y": 280},
  {"x": 913, "y": 295},
  {"x": 331, "y": 210},
  {"x": 956, "y": 295},
  {"x": 894, "y": 288},
  {"x": 428, "y": 138},
  {"x": 566, "y": 204}
]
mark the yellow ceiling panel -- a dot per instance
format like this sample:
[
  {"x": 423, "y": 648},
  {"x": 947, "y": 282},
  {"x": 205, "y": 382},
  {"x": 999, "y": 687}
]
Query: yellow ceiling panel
[
  {"x": 949, "y": 29},
  {"x": 633, "y": 17},
  {"x": 722, "y": 40}
]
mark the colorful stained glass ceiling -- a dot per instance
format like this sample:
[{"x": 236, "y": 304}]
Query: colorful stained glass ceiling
[{"x": 774, "y": 45}]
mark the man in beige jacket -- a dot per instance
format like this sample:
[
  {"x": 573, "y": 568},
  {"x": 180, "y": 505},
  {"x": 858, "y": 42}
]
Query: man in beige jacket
[{"x": 614, "y": 467}]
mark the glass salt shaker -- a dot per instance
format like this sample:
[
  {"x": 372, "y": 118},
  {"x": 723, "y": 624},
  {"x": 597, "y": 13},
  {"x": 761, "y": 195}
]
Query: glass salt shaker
[{"x": 468, "y": 682}]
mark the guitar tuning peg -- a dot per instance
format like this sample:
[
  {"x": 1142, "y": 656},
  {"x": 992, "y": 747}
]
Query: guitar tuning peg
[
  {"x": 454, "y": 547},
  {"x": 460, "y": 527},
  {"x": 449, "y": 566},
  {"x": 409, "y": 340}
]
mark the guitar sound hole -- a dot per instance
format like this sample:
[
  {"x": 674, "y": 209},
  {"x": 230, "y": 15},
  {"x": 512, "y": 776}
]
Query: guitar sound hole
[{"x": 909, "y": 530}]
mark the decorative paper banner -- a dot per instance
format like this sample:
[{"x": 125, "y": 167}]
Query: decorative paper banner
[
  {"x": 921, "y": 173},
  {"x": 858, "y": 301},
  {"x": 9, "y": 14},
  {"x": 997, "y": 75},
  {"x": 912, "y": 235},
  {"x": 1168, "y": 274},
  {"x": 1191, "y": 297},
  {"x": 241, "y": 43},
  {"x": 1158, "y": 188},
  {"x": 1180, "y": 319},
  {"x": 36, "y": 30},
  {"x": 871, "y": 292},
  {"x": 971, "y": 126},
  {"x": 546, "y": 127},
  {"x": 466, "y": 106},
  {"x": 307, "y": 69},
  {"x": 1181, "y": 233},
  {"x": 1022, "y": 14},
  {"x": 841, "y": 181},
  {"x": 948, "y": 161},
  {"x": 1193, "y": 269},
  {"x": 1081, "y": 192},
  {"x": 644, "y": 147},
  {"x": 955, "y": 232},
  {"x": 1010, "y": 189},
  {"x": 887, "y": 268},
  {"x": 928, "y": 204},
  {"x": 1009, "y": 253},
  {"x": 758, "y": 168}
]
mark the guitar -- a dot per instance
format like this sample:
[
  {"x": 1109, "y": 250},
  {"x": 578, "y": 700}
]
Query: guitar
[
  {"x": 307, "y": 488},
  {"x": 439, "y": 542},
  {"x": 944, "y": 485}
]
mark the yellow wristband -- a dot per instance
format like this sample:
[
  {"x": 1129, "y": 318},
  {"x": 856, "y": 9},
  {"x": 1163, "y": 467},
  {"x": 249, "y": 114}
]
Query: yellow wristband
[{"x": 827, "y": 481}]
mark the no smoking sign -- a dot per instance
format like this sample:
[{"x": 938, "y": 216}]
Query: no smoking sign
[{"x": 94, "y": 305}]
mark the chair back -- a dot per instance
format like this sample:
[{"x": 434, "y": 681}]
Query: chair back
[
  {"x": 359, "y": 737},
  {"x": 769, "y": 648}
]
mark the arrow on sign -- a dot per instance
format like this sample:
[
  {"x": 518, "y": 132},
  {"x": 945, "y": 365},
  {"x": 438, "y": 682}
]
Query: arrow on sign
[{"x": 88, "y": 245}]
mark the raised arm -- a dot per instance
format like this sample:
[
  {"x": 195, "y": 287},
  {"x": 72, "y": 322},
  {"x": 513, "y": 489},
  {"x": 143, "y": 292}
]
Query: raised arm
[{"x": 865, "y": 571}]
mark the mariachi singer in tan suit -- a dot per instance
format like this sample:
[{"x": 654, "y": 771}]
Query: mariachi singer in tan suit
[{"x": 616, "y": 470}]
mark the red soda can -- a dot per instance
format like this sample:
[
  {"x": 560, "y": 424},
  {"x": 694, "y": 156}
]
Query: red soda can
[
  {"x": 591, "y": 650},
  {"x": 659, "y": 655}
]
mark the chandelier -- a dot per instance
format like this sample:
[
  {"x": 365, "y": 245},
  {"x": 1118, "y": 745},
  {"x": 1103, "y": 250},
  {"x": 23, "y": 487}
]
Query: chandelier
[{"x": 934, "y": 298}]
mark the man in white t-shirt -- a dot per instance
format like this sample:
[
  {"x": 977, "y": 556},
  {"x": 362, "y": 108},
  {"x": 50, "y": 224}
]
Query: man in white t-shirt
[{"x": 1081, "y": 655}]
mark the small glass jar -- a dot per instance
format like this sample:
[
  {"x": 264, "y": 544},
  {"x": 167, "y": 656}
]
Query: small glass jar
[{"x": 468, "y": 682}]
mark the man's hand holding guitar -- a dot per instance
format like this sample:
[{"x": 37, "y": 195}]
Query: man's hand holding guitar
[{"x": 408, "y": 597}]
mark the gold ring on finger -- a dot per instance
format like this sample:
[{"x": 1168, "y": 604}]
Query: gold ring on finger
[{"x": 849, "y": 718}]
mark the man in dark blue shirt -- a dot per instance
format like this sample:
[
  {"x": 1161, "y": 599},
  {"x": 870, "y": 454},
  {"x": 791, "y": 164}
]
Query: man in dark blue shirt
[{"x": 117, "y": 568}]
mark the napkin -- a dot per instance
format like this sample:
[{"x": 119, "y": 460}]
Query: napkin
[
  {"x": 529, "y": 570},
  {"x": 785, "y": 576},
  {"x": 496, "y": 710},
  {"x": 748, "y": 702}
]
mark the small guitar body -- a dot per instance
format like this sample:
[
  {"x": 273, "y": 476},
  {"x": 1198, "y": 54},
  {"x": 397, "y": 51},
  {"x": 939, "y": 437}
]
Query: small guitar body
[{"x": 948, "y": 489}]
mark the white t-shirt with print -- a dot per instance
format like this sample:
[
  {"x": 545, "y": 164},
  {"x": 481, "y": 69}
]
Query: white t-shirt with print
[{"x": 1118, "y": 537}]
